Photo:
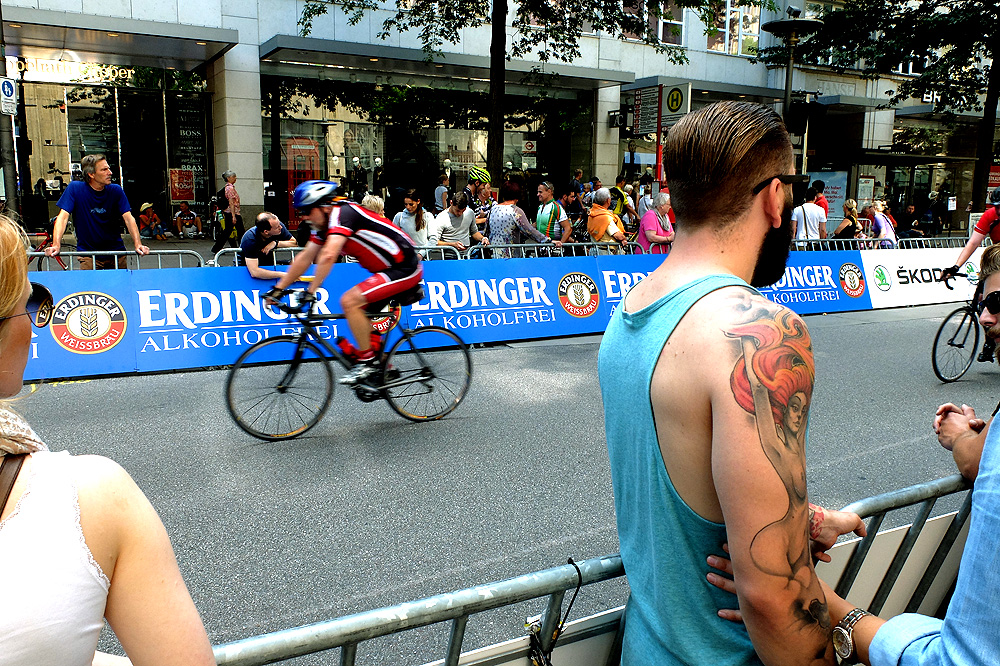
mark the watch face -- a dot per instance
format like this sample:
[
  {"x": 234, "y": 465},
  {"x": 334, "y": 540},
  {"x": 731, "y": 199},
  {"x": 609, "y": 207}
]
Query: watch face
[{"x": 842, "y": 642}]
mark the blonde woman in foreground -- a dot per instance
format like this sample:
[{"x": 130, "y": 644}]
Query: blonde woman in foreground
[{"x": 80, "y": 541}]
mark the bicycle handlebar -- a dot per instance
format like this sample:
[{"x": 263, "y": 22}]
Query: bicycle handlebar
[{"x": 947, "y": 274}]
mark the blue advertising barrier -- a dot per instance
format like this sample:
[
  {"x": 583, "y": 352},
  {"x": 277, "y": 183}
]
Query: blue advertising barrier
[{"x": 115, "y": 322}]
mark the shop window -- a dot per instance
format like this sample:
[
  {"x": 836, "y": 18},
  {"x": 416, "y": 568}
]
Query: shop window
[
  {"x": 672, "y": 24},
  {"x": 913, "y": 67},
  {"x": 668, "y": 28},
  {"x": 737, "y": 30}
]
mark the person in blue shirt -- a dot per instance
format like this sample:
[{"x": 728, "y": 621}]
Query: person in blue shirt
[
  {"x": 98, "y": 206},
  {"x": 259, "y": 243}
]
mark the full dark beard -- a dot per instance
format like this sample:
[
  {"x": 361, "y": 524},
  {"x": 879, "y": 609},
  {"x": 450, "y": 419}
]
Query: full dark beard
[{"x": 774, "y": 252}]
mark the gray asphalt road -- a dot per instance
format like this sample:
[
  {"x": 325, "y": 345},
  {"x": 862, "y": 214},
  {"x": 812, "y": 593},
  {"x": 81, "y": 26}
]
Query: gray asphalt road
[{"x": 369, "y": 510}]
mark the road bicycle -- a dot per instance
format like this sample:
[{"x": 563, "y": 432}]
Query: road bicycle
[
  {"x": 957, "y": 339},
  {"x": 44, "y": 239},
  {"x": 280, "y": 387}
]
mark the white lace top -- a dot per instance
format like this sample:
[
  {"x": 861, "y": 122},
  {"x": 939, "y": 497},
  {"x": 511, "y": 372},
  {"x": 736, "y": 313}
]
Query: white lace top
[{"x": 52, "y": 600}]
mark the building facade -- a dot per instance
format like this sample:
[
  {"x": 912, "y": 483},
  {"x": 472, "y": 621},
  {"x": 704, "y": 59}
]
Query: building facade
[{"x": 178, "y": 91}]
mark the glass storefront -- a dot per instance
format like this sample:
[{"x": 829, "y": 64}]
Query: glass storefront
[
  {"x": 152, "y": 125},
  {"x": 413, "y": 132}
]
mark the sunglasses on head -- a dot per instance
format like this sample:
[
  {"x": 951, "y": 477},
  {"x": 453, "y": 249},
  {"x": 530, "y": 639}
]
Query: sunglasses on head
[
  {"x": 786, "y": 178},
  {"x": 990, "y": 302},
  {"x": 39, "y": 307}
]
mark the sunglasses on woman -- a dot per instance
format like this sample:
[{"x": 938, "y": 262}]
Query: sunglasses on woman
[
  {"x": 39, "y": 306},
  {"x": 990, "y": 302}
]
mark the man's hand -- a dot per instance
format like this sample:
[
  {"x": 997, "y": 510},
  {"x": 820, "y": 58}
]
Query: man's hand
[
  {"x": 53, "y": 250},
  {"x": 833, "y": 524},
  {"x": 724, "y": 583},
  {"x": 274, "y": 295},
  {"x": 270, "y": 246},
  {"x": 458, "y": 246},
  {"x": 952, "y": 271},
  {"x": 951, "y": 423},
  {"x": 141, "y": 250},
  {"x": 485, "y": 241},
  {"x": 557, "y": 243}
]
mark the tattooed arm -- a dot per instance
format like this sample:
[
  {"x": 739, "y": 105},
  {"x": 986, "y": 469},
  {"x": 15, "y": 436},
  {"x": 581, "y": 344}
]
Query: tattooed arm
[{"x": 759, "y": 416}]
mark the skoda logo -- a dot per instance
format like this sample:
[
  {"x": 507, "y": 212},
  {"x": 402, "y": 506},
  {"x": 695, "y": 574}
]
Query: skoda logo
[{"x": 882, "y": 278}]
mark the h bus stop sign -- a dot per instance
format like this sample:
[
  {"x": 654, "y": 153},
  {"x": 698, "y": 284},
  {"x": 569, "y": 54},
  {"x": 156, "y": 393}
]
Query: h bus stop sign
[{"x": 8, "y": 96}]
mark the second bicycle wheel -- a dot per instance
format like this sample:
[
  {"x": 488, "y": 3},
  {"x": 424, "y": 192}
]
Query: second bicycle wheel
[
  {"x": 428, "y": 374},
  {"x": 279, "y": 388},
  {"x": 955, "y": 345}
]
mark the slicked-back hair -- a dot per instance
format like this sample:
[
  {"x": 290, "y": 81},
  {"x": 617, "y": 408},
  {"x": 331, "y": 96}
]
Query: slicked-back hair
[
  {"x": 716, "y": 155},
  {"x": 989, "y": 263}
]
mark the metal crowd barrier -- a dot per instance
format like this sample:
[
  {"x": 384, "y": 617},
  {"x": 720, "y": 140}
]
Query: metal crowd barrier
[
  {"x": 431, "y": 252},
  {"x": 840, "y": 243},
  {"x": 155, "y": 259},
  {"x": 282, "y": 255},
  {"x": 876, "y": 243},
  {"x": 532, "y": 250},
  {"x": 924, "y": 495},
  {"x": 938, "y": 241},
  {"x": 457, "y": 607}
]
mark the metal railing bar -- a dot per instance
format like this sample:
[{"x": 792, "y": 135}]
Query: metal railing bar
[
  {"x": 157, "y": 254},
  {"x": 876, "y": 507},
  {"x": 850, "y": 573},
  {"x": 455, "y": 640},
  {"x": 348, "y": 654},
  {"x": 896, "y": 566},
  {"x": 550, "y": 620},
  {"x": 943, "y": 549},
  {"x": 347, "y": 632},
  {"x": 299, "y": 641}
]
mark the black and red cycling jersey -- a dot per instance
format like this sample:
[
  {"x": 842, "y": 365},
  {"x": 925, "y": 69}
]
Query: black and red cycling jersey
[{"x": 373, "y": 240}]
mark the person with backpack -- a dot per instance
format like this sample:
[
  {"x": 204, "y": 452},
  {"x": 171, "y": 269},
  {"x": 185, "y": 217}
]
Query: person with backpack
[
  {"x": 988, "y": 225},
  {"x": 621, "y": 203},
  {"x": 227, "y": 202}
]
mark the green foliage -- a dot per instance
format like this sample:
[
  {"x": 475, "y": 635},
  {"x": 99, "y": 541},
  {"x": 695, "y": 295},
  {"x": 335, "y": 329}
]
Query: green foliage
[
  {"x": 546, "y": 29},
  {"x": 951, "y": 40}
]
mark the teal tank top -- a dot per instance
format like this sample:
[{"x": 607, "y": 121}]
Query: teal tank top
[{"x": 671, "y": 615}]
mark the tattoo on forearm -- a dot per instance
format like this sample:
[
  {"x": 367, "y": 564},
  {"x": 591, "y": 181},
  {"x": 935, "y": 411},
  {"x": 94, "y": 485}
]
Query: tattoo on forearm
[{"x": 773, "y": 380}]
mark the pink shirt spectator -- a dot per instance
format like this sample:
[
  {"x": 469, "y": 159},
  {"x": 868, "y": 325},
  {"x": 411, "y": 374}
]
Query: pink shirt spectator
[
  {"x": 234, "y": 199},
  {"x": 651, "y": 221}
]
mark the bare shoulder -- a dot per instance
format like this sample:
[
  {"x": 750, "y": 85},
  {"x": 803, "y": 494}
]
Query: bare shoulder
[{"x": 106, "y": 492}]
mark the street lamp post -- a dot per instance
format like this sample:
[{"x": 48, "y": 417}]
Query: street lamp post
[
  {"x": 790, "y": 30},
  {"x": 7, "y": 136}
]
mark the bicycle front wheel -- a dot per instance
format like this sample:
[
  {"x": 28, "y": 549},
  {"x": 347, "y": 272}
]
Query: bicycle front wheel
[
  {"x": 279, "y": 388},
  {"x": 955, "y": 345},
  {"x": 427, "y": 374}
]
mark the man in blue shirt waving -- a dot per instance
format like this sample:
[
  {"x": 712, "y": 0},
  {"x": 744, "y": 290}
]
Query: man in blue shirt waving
[{"x": 97, "y": 206}]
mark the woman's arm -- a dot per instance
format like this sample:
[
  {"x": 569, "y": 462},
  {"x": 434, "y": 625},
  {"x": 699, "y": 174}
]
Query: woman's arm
[{"x": 148, "y": 605}]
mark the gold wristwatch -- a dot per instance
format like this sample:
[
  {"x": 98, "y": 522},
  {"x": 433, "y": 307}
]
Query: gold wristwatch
[{"x": 843, "y": 635}]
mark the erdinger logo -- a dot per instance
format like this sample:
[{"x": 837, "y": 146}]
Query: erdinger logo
[
  {"x": 88, "y": 322},
  {"x": 578, "y": 294},
  {"x": 385, "y": 324},
  {"x": 852, "y": 280}
]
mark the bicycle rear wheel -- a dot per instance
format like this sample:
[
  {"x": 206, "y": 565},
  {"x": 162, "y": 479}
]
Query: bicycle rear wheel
[
  {"x": 428, "y": 374},
  {"x": 955, "y": 345},
  {"x": 279, "y": 388}
]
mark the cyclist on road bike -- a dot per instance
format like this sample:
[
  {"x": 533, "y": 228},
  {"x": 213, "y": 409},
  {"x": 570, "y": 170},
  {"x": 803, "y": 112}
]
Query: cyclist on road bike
[
  {"x": 988, "y": 225},
  {"x": 342, "y": 227}
]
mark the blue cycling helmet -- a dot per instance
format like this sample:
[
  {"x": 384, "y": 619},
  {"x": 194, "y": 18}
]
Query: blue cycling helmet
[{"x": 314, "y": 193}]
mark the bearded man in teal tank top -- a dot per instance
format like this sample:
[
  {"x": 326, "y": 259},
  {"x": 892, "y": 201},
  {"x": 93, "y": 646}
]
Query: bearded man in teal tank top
[{"x": 726, "y": 463}]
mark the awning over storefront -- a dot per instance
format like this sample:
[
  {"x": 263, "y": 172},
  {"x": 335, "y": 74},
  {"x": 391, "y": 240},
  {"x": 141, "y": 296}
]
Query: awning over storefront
[
  {"x": 309, "y": 57},
  {"x": 69, "y": 36}
]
